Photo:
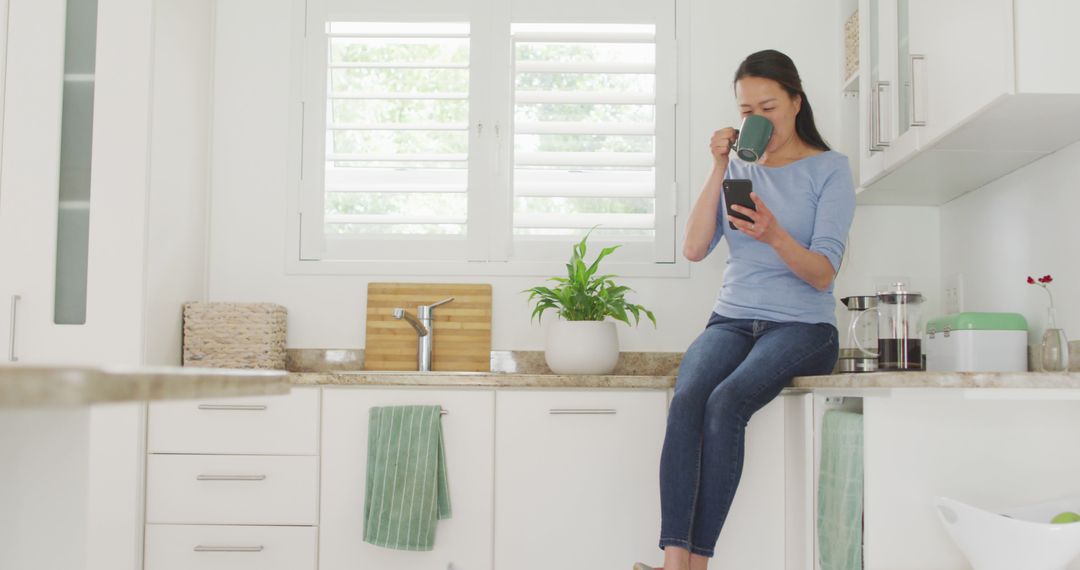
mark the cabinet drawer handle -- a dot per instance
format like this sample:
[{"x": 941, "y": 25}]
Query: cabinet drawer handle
[
  {"x": 241, "y": 407},
  {"x": 203, "y": 548},
  {"x": 230, "y": 478},
  {"x": 581, "y": 411},
  {"x": 11, "y": 339},
  {"x": 918, "y": 87},
  {"x": 884, "y": 113},
  {"x": 875, "y": 119},
  {"x": 881, "y": 133}
]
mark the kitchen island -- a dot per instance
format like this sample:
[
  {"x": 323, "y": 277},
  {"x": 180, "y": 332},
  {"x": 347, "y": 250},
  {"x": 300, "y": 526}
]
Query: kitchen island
[{"x": 45, "y": 446}]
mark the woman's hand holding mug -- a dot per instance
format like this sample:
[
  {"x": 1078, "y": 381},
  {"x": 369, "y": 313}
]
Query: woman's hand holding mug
[{"x": 721, "y": 144}]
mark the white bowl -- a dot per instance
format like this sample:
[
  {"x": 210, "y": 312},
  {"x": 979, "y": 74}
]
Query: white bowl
[{"x": 1021, "y": 538}]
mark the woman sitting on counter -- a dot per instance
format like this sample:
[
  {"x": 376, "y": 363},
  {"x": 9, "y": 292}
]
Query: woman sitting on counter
[{"x": 774, "y": 317}]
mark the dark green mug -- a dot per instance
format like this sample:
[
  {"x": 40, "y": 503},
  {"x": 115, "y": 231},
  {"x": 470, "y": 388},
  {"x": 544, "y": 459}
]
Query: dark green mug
[{"x": 754, "y": 135}]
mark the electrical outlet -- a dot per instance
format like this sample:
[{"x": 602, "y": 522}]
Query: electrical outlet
[
  {"x": 952, "y": 305},
  {"x": 954, "y": 293}
]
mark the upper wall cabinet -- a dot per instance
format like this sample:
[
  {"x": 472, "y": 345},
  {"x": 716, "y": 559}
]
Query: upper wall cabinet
[{"x": 956, "y": 94}]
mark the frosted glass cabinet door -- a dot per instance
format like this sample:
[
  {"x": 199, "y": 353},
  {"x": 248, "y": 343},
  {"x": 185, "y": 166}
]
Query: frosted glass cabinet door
[{"x": 872, "y": 92}]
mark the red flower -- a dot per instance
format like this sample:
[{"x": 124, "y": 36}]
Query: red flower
[{"x": 1043, "y": 282}]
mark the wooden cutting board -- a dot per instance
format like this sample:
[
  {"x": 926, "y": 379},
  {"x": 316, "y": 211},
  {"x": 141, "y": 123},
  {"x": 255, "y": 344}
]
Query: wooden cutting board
[{"x": 462, "y": 327}]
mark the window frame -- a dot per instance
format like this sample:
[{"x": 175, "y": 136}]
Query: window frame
[{"x": 489, "y": 247}]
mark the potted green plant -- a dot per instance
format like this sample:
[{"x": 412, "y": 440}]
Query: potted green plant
[{"x": 583, "y": 341}]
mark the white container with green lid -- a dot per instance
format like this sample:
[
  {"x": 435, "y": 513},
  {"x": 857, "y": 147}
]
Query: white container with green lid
[{"x": 977, "y": 342}]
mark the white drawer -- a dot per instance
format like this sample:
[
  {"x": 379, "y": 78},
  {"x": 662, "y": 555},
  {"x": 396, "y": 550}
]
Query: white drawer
[
  {"x": 264, "y": 425},
  {"x": 232, "y": 489},
  {"x": 197, "y": 547}
]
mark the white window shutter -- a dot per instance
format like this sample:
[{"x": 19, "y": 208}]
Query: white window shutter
[
  {"x": 396, "y": 129},
  {"x": 585, "y": 132}
]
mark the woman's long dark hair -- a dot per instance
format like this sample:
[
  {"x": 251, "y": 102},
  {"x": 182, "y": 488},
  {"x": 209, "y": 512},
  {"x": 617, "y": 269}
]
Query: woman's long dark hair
[{"x": 771, "y": 64}]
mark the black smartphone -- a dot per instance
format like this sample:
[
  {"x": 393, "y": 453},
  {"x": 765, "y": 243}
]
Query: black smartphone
[{"x": 737, "y": 191}]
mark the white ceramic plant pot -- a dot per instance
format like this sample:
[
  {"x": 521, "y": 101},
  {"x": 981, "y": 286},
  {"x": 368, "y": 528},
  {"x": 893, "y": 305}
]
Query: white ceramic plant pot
[{"x": 581, "y": 347}]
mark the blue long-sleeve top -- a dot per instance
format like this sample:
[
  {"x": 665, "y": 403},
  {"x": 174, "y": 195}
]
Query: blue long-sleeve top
[{"x": 813, "y": 199}]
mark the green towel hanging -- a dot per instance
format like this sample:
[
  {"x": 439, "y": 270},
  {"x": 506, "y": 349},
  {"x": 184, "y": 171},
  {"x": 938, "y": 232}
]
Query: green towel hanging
[
  {"x": 840, "y": 491},
  {"x": 407, "y": 492}
]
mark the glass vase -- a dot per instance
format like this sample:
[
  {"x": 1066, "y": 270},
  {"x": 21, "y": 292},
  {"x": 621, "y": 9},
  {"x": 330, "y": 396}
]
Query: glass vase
[{"x": 1055, "y": 347}]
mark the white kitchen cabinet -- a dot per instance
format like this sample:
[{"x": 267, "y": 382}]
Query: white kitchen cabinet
[
  {"x": 7, "y": 292},
  {"x": 575, "y": 481},
  {"x": 968, "y": 90},
  {"x": 756, "y": 532},
  {"x": 33, "y": 92},
  {"x": 877, "y": 25},
  {"x": 137, "y": 272},
  {"x": 930, "y": 67},
  {"x": 36, "y": 75},
  {"x": 800, "y": 484},
  {"x": 50, "y": 101},
  {"x": 993, "y": 451},
  {"x": 234, "y": 474},
  {"x": 102, "y": 129},
  {"x": 961, "y": 53},
  {"x": 577, "y": 478},
  {"x": 462, "y": 542}
]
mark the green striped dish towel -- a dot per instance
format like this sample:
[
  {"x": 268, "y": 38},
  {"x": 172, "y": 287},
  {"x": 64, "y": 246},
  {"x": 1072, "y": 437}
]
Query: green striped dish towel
[
  {"x": 407, "y": 490},
  {"x": 840, "y": 491}
]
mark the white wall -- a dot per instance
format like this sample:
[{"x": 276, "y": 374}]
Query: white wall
[
  {"x": 251, "y": 146},
  {"x": 1019, "y": 225},
  {"x": 179, "y": 172},
  {"x": 893, "y": 241}
]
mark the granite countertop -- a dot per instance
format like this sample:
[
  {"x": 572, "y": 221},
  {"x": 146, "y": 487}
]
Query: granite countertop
[
  {"x": 897, "y": 380},
  {"x": 480, "y": 379},
  {"x": 25, "y": 386},
  {"x": 635, "y": 370},
  {"x": 886, "y": 380}
]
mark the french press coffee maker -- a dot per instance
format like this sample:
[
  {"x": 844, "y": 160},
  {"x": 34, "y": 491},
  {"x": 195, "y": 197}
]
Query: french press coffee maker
[
  {"x": 899, "y": 329},
  {"x": 862, "y": 330}
]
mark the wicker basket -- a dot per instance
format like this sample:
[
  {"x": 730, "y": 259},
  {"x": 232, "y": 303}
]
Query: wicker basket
[{"x": 234, "y": 335}]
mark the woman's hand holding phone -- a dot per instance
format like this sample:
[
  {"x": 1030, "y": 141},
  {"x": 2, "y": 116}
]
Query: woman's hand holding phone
[{"x": 762, "y": 225}]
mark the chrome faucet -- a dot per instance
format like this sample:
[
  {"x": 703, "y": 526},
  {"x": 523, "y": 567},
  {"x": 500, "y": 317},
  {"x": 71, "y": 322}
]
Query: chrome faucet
[{"x": 423, "y": 330}]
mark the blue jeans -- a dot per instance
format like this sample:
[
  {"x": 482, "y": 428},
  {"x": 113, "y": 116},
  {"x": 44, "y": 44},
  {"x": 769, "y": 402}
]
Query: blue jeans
[{"x": 733, "y": 368}]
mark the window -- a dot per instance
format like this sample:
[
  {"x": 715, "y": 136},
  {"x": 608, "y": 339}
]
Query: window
[
  {"x": 584, "y": 130},
  {"x": 397, "y": 126},
  {"x": 474, "y": 139}
]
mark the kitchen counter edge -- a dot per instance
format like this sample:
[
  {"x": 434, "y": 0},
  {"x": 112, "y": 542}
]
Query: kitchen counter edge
[
  {"x": 874, "y": 380},
  {"x": 23, "y": 386}
]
